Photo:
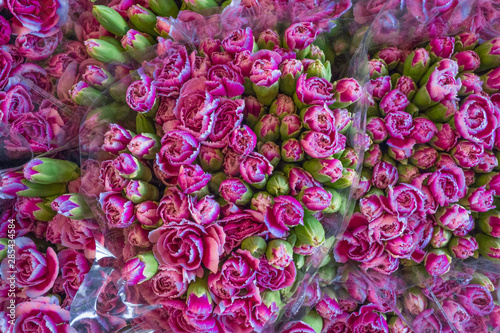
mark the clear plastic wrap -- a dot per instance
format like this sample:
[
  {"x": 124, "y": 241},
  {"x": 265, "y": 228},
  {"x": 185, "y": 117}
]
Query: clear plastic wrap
[{"x": 142, "y": 310}]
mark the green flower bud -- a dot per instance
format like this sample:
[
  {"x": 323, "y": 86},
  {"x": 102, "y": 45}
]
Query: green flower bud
[
  {"x": 83, "y": 94},
  {"x": 282, "y": 106},
  {"x": 143, "y": 19},
  {"x": 43, "y": 170},
  {"x": 416, "y": 64},
  {"x": 278, "y": 185},
  {"x": 165, "y": 8},
  {"x": 261, "y": 201},
  {"x": 34, "y": 190},
  {"x": 349, "y": 158},
  {"x": 44, "y": 211},
  {"x": 407, "y": 173},
  {"x": 483, "y": 280},
  {"x": 325, "y": 170},
  {"x": 440, "y": 237},
  {"x": 318, "y": 69},
  {"x": 336, "y": 202},
  {"x": 268, "y": 128},
  {"x": 484, "y": 179},
  {"x": 72, "y": 205},
  {"x": 488, "y": 52},
  {"x": 110, "y": 19},
  {"x": 312, "y": 232},
  {"x": 140, "y": 268},
  {"x": 255, "y": 245},
  {"x": 139, "y": 191},
  {"x": 291, "y": 151},
  {"x": 105, "y": 50},
  {"x": 315, "y": 53},
  {"x": 489, "y": 222},
  {"x": 279, "y": 253},
  {"x": 266, "y": 95},
  {"x": 489, "y": 247},
  {"x": 345, "y": 181},
  {"x": 314, "y": 320}
]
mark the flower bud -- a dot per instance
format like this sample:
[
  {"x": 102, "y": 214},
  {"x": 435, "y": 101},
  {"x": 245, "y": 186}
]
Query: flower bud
[
  {"x": 279, "y": 253},
  {"x": 335, "y": 203},
  {"x": 291, "y": 151},
  {"x": 319, "y": 69},
  {"x": 268, "y": 128},
  {"x": 139, "y": 191},
  {"x": 344, "y": 181},
  {"x": 33, "y": 190},
  {"x": 393, "y": 101},
  {"x": 271, "y": 151},
  {"x": 424, "y": 157},
  {"x": 372, "y": 156},
  {"x": 147, "y": 214},
  {"x": 479, "y": 199},
  {"x": 311, "y": 233},
  {"x": 315, "y": 198},
  {"x": 211, "y": 159},
  {"x": 465, "y": 41},
  {"x": 253, "y": 110},
  {"x": 400, "y": 150},
  {"x": 441, "y": 47},
  {"x": 489, "y": 52},
  {"x": 130, "y": 167},
  {"x": 140, "y": 268},
  {"x": 407, "y": 86},
  {"x": 105, "y": 51},
  {"x": 325, "y": 170},
  {"x": 316, "y": 53},
  {"x": 375, "y": 127},
  {"x": 482, "y": 280},
  {"x": 416, "y": 64},
  {"x": 468, "y": 61},
  {"x": 377, "y": 68},
  {"x": 215, "y": 181},
  {"x": 110, "y": 19},
  {"x": 98, "y": 77},
  {"x": 489, "y": 222},
  {"x": 349, "y": 158},
  {"x": 407, "y": 173},
  {"x": 278, "y": 185},
  {"x": 489, "y": 162},
  {"x": 380, "y": 87},
  {"x": 346, "y": 92},
  {"x": 136, "y": 44},
  {"x": 489, "y": 247},
  {"x": 145, "y": 146},
  {"x": 282, "y": 106},
  {"x": 491, "y": 81},
  {"x": 35, "y": 208},
  {"x": 71, "y": 205},
  {"x": 414, "y": 301},
  {"x": 391, "y": 56},
  {"x": 235, "y": 190},
  {"x": 440, "y": 237},
  {"x": 463, "y": 247},
  {"x": 445, "y": 138},
  {"x": 290, "y": 127},
  {"x": 165, "y": 8},
  {"x": 142, "y": 19},
  {"x": 437, "y": 262},
  {"x": 256, "y": 245},
  {"x": 45, "y": 170},
  {"x": 83, "y": 94},
  {"x": 290, "y": 71},
  {"x": 268, "y": 39}
]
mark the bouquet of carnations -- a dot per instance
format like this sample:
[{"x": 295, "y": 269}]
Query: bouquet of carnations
[
  {"x": 47, "y": 243},
  {"x": 219, "y": 171}
]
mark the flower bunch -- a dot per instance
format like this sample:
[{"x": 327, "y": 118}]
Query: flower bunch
[
  {"x": 47, "y": 238},
  {"x": 428, "y": 176},
  {"x": 238, "y": 152}
]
